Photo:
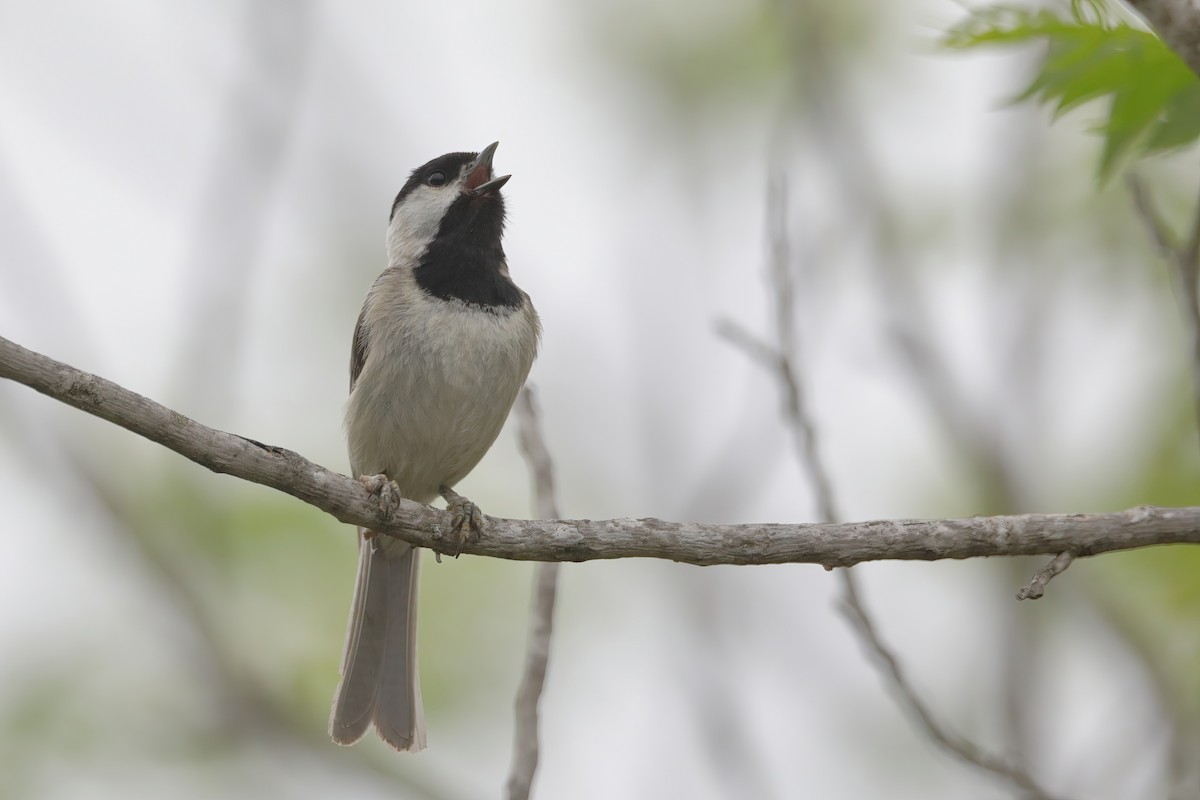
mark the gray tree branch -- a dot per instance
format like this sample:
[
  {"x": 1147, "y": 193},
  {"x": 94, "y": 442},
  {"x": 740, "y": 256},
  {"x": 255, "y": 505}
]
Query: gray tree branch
[{"x": 832, "y": 545}]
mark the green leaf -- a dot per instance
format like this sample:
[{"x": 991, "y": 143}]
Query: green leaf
[
  {"x": 1154, "y": 99},
  {"x": 1180, "y": 124},
  {"x": 1004, "y": 25}
]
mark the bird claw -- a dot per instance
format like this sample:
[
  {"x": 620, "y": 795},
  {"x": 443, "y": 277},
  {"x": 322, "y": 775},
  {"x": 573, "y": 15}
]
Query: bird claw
[
  {"x": 466, "y": 520},
  {"x": 384, "y": 490}
]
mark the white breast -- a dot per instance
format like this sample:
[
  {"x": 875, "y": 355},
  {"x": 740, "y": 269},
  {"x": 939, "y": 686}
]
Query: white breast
[{"x": 437, "y": 384}]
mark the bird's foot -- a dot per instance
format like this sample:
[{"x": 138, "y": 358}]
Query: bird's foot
[
  {"x": 385, "y": 491},
  {"x": 466, "y": 520}
]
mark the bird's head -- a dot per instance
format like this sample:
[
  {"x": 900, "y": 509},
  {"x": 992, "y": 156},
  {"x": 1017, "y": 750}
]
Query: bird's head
[{"x": 455, "y": 199}]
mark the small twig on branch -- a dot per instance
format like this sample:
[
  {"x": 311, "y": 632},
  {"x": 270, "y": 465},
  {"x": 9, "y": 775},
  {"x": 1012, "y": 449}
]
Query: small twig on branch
[
  {"x": 1037, "y": 586},
  {"x": 832, "y": 545},
  {"x": 541, "y": 618}
]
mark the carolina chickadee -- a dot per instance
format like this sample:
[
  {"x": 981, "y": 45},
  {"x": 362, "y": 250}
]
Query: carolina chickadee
[{"x": 443, "y": 344}]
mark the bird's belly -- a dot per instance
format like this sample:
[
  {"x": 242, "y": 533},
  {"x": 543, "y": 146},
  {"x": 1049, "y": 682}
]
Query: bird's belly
[{"x": 426, "y": 408}]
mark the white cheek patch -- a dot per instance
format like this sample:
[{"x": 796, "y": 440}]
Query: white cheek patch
[{"x": 416, "y": 222}]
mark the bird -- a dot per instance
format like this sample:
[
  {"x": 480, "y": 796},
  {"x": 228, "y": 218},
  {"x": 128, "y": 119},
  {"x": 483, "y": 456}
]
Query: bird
[{"x": 443, "y": 344}]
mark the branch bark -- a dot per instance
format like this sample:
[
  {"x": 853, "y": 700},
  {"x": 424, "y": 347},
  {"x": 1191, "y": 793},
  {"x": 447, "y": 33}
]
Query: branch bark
[{"x": 832, "y": 545}]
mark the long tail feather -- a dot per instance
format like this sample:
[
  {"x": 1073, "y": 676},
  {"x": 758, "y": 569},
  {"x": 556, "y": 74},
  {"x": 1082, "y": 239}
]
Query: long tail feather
[{"x": 379, "y": 668}]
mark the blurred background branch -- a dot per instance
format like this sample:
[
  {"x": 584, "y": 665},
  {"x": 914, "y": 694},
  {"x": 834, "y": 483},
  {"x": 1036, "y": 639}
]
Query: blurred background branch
[
  {"x": 1183, "y": 260},
  {"x": 781, "y": 361},
  {"x": 541, "y": 619}
]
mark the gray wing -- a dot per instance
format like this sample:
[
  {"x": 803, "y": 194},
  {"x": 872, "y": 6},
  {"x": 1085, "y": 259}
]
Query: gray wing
[{"x": 358, "y": 348}]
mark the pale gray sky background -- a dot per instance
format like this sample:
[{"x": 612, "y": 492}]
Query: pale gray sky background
[{"x": 193, "y": 199}]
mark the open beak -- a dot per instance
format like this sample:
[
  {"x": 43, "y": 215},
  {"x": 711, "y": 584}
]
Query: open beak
[{"x": 479, "y": 179}]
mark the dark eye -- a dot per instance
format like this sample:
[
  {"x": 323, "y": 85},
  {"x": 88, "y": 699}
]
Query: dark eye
[{"x": 436, "y": 179}]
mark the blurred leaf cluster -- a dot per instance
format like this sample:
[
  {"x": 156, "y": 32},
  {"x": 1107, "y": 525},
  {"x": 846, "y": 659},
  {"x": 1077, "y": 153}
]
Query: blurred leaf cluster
[
  {"x": 1153, "y": 98},
  {"x": 724, "y": 56}
]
